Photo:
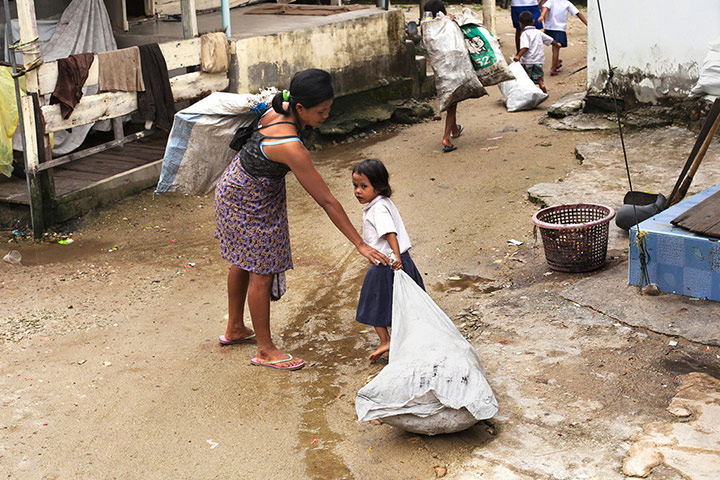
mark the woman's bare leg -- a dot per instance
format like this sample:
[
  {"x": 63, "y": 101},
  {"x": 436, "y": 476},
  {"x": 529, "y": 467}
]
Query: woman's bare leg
[
  {"x": 237, "y": 285},
  {"x": 384, "y": 344},
  {"x": 259, "y": 303}
]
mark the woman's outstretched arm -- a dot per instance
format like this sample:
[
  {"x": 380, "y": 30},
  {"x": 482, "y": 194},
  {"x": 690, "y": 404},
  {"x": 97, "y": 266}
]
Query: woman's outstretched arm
[{"x": 296, "y": 156}]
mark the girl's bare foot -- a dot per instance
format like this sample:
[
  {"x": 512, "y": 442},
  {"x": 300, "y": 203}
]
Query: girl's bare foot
[{"x": 381, "y": 350}]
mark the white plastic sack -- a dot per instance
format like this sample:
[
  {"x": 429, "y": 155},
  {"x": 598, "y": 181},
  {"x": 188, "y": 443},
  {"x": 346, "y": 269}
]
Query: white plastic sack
[
  {"x": 485, "y": 54},
  {"x": 709, "y": 80},
  {"x": 198, "y": 151},
  {"x": 455, "y": 78},
  {"x": 433, "y": 382},
  {"x": 521, "y": 93}
]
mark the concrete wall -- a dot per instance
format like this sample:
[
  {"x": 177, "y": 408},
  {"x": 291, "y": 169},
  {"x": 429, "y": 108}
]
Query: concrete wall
[
  {"x": 361, "y": 53},
  {"x": 656, "y": 46}
]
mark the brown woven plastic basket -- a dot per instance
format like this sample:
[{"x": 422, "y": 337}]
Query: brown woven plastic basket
[{"x": 575, "y": 237}]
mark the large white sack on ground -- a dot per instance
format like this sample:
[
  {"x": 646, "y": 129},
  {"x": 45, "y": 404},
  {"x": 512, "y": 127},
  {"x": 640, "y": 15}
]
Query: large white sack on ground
[
  {"x": 521, "y": 93},
  {"x": 484, "y": 49},
  {"x": 434, "y": 382},
  {"x": 455, "y": 78},
  {"x": 709, "y": 80},
  {"x": 198, "y": 151}
]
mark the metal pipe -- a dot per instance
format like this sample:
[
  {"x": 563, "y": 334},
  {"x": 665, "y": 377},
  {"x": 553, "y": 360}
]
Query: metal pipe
[
  {"x": 9, "y": 40},
  {"x": 226, "y": 17}
]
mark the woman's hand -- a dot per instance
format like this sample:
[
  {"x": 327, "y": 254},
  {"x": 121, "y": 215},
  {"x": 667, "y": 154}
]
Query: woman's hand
[
  {"x": 375, "y": 257},
  {"x": 397, "y": 265}
]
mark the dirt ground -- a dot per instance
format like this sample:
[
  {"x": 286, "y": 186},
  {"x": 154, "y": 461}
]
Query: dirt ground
[{"x": 110, "y": 365}]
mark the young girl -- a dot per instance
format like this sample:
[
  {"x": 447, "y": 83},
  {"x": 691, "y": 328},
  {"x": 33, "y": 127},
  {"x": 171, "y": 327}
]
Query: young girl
[{"x": 383, "y": 229}]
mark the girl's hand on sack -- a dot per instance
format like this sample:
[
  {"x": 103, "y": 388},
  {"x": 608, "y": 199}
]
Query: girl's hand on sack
[
  {"x": 375, "y": 257},
  {"x": 397, "y": 265}
]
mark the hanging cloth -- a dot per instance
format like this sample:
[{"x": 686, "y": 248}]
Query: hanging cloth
[
  {"x": 156, "y": 103},
  {"x": 84, "y": 27},
  {"x": 119, "y": 71},
  {"x": 72, "y": 74}
]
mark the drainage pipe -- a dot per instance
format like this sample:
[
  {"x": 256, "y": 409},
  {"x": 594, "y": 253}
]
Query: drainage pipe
[{"x": 226, "y": 17}]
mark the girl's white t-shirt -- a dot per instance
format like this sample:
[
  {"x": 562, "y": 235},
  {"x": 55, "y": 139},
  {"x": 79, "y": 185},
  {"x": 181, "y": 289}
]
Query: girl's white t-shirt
[
  {"x": 381, "y": 217},
  {"x": 556, "y": 19}
]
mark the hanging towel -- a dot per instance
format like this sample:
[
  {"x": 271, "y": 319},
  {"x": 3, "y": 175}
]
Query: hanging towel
[
  {"x": 214, "y": 52},
  {"x": 72, "y": 74},
  {"x": 156, "y": 103},
  {"x": 119, "y": 71}
]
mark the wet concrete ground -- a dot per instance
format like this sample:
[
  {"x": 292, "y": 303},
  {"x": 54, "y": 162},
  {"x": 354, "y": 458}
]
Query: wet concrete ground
[{"x": 110, "y": 366}]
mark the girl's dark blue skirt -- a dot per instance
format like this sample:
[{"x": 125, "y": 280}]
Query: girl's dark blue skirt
[{"x": 375, "y": 305}]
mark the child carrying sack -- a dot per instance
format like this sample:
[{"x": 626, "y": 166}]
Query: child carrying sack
[
  {"x": 485, "y": 54},
  {"x": 433, "y": 382},
  {"x": 455, "y": 78},
  {"x": 521, "y": 93}
]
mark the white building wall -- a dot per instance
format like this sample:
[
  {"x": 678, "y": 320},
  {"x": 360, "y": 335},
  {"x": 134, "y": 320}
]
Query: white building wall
[{"x": 656, "y": 46}]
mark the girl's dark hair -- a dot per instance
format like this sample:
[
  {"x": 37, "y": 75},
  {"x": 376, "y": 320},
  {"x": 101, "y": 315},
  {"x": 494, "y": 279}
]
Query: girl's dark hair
[
  {"x": 378, "y": 175},
  {"x": 309, "y": 88}
]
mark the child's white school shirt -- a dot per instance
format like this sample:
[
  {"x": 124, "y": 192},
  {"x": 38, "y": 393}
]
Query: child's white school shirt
[
  {"x": 556, "y": 18},
  {"x": 533, "y": 39},
  {"x": 380, "y": 217}
]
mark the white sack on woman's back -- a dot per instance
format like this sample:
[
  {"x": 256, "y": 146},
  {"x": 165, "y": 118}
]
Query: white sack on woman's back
[{"x": 434, "y": 382}]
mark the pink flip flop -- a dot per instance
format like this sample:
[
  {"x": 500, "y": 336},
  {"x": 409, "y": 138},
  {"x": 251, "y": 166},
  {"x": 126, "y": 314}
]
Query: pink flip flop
[
  {"x": 225, "y": 341},
  {"x": 274, "y": 364}
]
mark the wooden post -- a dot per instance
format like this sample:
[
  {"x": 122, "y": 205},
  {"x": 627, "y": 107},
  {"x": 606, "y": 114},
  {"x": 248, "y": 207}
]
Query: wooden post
[
  {"x": 125, "y": 24},
  {"x": 189, "y": 18},
  {"x": 117, "y": 126},
  {"x": 29, "y": 36},
  {"x": 489, "y": 15}
]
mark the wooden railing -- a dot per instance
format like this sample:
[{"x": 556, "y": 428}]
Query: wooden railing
[{"x": 105, "y": 105}]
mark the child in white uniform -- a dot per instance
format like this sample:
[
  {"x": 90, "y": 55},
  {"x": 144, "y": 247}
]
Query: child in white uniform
[
  {"x": 554, "y": 14},
  {"x": 383, "y": 229},
  {"x": 532, "y": 54}
]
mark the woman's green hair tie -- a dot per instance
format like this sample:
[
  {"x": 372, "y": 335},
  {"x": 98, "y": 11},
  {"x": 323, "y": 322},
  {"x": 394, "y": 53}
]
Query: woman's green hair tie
[{"x": 286, "y": 95}]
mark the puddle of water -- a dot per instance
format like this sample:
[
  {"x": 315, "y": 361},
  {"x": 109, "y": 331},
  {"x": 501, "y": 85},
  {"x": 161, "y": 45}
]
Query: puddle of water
[
  {"x": 343, "y": 158},
  {"x": 49, "y": 253},
  {"x": 461, "y": 282},
  {"x": 324, "y": 386}
]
